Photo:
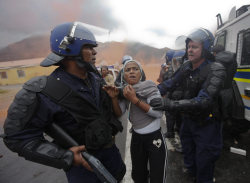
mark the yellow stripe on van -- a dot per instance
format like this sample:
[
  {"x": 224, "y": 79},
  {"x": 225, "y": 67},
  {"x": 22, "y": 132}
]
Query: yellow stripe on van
[
  {"x": 242, "y": 80},
  {"x": 243, "y": 70},
  {"x": 245, "y": 97}
]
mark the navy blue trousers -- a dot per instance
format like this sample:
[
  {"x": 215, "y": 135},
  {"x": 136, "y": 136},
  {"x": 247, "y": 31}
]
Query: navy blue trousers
[
  {"x": 170, "y": 120},
  {"x": 202, "y": 145},
  {"x": 110, "y": 158}
]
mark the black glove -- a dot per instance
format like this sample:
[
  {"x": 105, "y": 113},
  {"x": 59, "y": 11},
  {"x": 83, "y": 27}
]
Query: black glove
[{"x": 161, "y": 104}]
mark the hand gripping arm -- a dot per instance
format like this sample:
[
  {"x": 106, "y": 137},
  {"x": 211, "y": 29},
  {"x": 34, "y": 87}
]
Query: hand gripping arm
[{"x": 102, "y": 173}]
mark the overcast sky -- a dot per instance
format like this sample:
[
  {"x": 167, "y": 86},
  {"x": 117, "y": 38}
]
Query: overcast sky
[{"x": 154, "y": 22}]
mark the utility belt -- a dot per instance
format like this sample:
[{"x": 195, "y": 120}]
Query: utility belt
[
  {"x": 110, "y": 144},
  {"x": 202, "y": 119}
]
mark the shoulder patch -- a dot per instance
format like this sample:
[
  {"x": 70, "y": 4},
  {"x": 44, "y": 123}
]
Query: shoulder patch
[{"x": 36, "y": 84}]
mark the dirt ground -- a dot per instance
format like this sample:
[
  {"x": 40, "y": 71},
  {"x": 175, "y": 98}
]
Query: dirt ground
[{"x": 7, "y": 94}]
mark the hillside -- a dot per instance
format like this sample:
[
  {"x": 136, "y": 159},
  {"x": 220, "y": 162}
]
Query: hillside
[
  {"x": 32, "y": 47},
  {"x": 108, "y": 53}
]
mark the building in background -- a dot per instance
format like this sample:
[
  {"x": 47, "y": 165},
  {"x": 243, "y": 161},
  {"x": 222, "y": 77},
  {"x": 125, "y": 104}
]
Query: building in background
[{"x": 18, "y": 72}]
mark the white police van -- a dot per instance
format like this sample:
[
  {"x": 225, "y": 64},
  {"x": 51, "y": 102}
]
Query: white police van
[{"x": 234, "y": 36}]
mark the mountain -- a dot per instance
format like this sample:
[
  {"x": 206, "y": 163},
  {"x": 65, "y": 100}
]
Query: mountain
[
  {"x": 32, "y": 47},
  {"x": 107, "y": 53}
]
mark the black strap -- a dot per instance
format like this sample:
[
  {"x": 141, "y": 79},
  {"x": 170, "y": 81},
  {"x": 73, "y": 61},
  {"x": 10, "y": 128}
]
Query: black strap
[
  {"x": 71, "y": 101},
  {"x": 55, "y": 89},
  {"x": 238, "y": 105}
]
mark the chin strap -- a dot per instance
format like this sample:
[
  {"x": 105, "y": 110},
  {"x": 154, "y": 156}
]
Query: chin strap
[{"x": 88, "y": 66}]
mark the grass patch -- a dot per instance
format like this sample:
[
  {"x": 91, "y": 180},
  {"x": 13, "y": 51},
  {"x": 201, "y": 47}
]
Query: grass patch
[{"x": 3, "y": 91}]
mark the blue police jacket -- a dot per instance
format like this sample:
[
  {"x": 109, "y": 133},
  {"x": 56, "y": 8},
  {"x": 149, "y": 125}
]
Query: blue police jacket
[
  {"x": 200, "y": 87},
  {"x": 30, "y": 142}
]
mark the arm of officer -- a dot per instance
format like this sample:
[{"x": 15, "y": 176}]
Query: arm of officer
[
  {"x": 205, "y": 97},
  {"x": 37, "y": 149},
  {"x": 78, "y": 159},
  {"x": 26, "y": 137},
  {"x": 113, "y": 92}
]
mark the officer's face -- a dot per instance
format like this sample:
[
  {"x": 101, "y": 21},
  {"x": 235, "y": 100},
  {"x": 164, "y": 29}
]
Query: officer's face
[
  {"x": 88, "y": 54},
  {"x": 194, "y": 51},
  {"x": 132, "y": 73}
]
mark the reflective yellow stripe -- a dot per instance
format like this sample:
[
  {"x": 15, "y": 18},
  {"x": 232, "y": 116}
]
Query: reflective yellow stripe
[
  {"x": 245, "y": 97},
  {"x": 243, "y": 70},
  {"x": 242, "y": 80}
]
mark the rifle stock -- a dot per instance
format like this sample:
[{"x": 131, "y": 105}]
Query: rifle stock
[{"x": 57, "y": 133}]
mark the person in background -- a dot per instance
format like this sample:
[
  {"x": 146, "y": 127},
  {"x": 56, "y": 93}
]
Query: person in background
[
  {"x": 109, "y": 79},
  {"x": 147, "y": 142},
  {"x": 173, "y": 119},
  {"x": 178, "y": 59},
  {"x": 164, "y": 69},
  {"x": 126, "y": 58},
  {"x": 168, "y": 58},
  {"x": 201, "y": 129},
  {"x": 71, "y": 97},
  {"x": 165, "y": 73}
]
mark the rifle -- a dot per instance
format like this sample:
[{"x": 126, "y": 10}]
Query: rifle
[{"x": 57, "y": 133}]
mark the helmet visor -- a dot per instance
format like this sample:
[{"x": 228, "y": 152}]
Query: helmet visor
[
  {"x": 82, "y": 31},
  {"x": 180, "y": 42},
  {"x": 199, "y": 35}
]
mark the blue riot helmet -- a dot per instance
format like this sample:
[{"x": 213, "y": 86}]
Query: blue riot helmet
[
  {"x": 125, "y": 58},
  {"x": 169, "y": 56},
  {"x": 178, "y": 59},
  {"x": 203, "y": 36},
  {"x": 67, "y": 40}
]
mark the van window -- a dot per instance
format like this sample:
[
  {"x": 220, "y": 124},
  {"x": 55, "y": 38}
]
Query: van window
[
  {"x": 221, "y": 40},
  {"x": 243, "y": 48}
]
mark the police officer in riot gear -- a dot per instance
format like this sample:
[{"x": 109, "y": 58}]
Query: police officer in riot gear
[
  {"x": 173, "y": 118},
  {"x": 178, "y": 59},
  {"x": 168, "y": 58},
  {"x": 168, "y": 74},
  {"x": 72, "y": 97},
  {"x": 201, "y": 80}
]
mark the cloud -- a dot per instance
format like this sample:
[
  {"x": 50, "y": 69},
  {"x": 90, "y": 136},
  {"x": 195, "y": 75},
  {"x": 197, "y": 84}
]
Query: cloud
[
  {"x": 30, "y": 17},
  {"x": 155, "y": 23},
  {"x": 157, "y": 31}
]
